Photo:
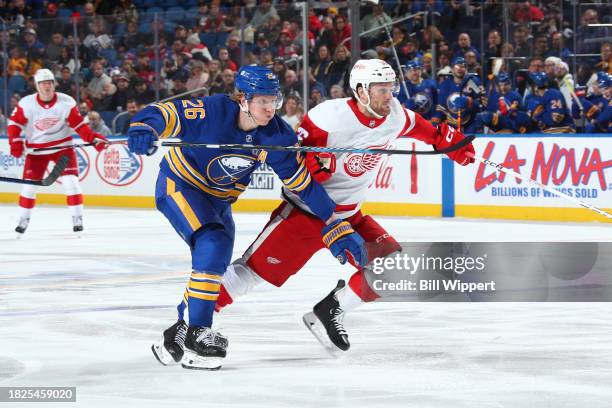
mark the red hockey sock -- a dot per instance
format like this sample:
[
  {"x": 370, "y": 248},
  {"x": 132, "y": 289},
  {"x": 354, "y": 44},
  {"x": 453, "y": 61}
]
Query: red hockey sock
[
  {"x": 360, "y": 286},
  {"x": 223, "y": 300}
]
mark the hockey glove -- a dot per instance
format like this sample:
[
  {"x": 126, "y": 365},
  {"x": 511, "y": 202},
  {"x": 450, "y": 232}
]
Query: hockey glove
[
  {"x": 344, "y": 243},
  {"x": 448, "y": 136},
  {"x": 16, "y": 148},
  {"x": 321, "y": 166},
  {"x": 142, "y": 138},
  {"x": 100, "y": 142}
]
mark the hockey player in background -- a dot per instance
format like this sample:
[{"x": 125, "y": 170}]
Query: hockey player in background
[
  {"x": 459, "y": 98},
  {"x": 546, "y": 107},
  {"x": 196, "y": 187},
  {"x": 595, "y": 105},
  {"x": 422, "y": 95},
  {"x": 47, "y": 119},
  {"x": 371, "y": 118},
  {"x": 505, "y": 112}
]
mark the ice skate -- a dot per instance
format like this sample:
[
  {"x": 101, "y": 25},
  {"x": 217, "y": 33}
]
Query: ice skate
[
  {"x": 204, "y": 349},
  {"x": 169, "y": 350},
  {"x": 22, "y": 226},
  {"x": 325, "y": 322},
  {"x": 77, "y": 224}
]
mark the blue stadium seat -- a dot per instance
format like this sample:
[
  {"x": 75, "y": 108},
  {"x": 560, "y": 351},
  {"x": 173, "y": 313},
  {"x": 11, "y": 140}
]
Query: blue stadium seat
[
  {"x": 17, "y": 84},
  {"x": 121, "y": 123},
  {"x": 64, "y": 14},
  {"x": 222, "y": 40},
  {"x": 107, "y": 117},
  {"x": 175, "y": 14},
  {"x": 150, "y": 13}
]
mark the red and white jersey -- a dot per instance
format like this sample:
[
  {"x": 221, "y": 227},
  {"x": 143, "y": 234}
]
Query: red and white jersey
[
  {"x": 339, "y": 123},
  {"x": 46, "y": 124}
]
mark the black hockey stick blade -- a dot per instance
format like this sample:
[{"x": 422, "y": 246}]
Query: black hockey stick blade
[
  {"x": 60, "y": 165},
  {"x": 467, "y": 140}
]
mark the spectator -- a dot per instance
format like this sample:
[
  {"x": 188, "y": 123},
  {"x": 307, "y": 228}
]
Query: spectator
[
  {"x": 290, "y": 111},
  {"x": 525, "y": 12},
  {"x": 285, "y": 47},
  {"x": 326, "y": 34},
  {"x": 198, "y": 77},
  {"x": 549, "y": 70},
  {"x": 124, "y": 12},
  {"x": 132, "y": 38},
  {"x": 405, "y": 50},
  {"x": 225, "y": 60},
  {"x": 290, "y": 84},
  {"x": 123, "y": 123},
  {"x": 214, "y": 73},
  {"x": 227, "y": 83},
  {"x": 588, "y": 37},
  {"x": 377, "y": 18},
  {"x": 342, "y": 32},
  {"x": 67, "y": 60},
  {"x": 320, "y": 71},
  {"x": 97, "y": 124},
  {"x": 265, "y": 11},
  {"x": 261, "y": 44},
  {"x": 143, "y": 94},
  {"x": 606, "y": 58},
  {"x": 55, "y": 47},
  {"x": 464, "y": 44},
  {"x": 316, "y": 96},
  {"x": 536, "y": 64},
  {"x": 540, "y": 46},
  {"x": 17, "y": 63},
  {"x": 471, "y": 63},
  {"x": 52, "y": 24},
  {"x": 64, "y": 82},
  {"x": 494, "y": 42},
  {"x": 336, "y": 92},
  {"x": 123, "y": 93},
  {"x": 565, "y": 81},
  {"x": 98, "y": 82},
  {"x": 179, "y": 85},
  {"x": 271, "y": 30},
  {"x": 557, "y": 47},
  {"x": 522, "y": 43},
  {"x": 340, "y": 69},
  {"x": 31, "y": 44},
  {"x": 234, "y": 49}
]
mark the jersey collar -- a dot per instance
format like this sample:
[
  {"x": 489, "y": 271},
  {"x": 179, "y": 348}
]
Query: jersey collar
[
  {"x": 365, "y": 121},
  {"x": 46, "y": 105}
]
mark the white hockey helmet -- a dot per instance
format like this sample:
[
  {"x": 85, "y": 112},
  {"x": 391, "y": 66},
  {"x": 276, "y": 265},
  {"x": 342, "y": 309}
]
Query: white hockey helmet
[
  {"x": 43, "y": 74},
  {"x": 366, "y": 72}
]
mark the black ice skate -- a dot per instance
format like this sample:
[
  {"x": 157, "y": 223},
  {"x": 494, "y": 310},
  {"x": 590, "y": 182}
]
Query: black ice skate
[
  {"x": 77, "y": 223},
  {"x": 169, "y": 350},
  {"x": 22, "y": 226},
  {"x": 204, "y": 349},
  {"x": 325, "y": 322}
]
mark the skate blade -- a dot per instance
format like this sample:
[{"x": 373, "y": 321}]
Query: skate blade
[
  {"x": 161, "y": 354},
  {"x": 193, "y": 361},
  {"x": 314, "y": 325}
]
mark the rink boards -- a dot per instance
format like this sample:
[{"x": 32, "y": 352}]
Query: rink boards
[{"x": 405, "y": 185}]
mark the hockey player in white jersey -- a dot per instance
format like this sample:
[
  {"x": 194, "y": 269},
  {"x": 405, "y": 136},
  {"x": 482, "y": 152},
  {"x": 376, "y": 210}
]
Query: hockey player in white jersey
[
  {"x": 372, "y": 118},
  {"x": 42, "y": 120}
]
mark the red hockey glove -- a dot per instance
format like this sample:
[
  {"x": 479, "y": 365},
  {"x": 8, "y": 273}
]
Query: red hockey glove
[
  {"x": 99, "y": 141},
  {"x": 16, "y": 147},
  {"x": 321, "y": 166},
  {"x": 448, "y": 136}
]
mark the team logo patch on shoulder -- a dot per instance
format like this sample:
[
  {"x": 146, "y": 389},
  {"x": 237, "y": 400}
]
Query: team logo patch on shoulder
[{"x": 229, "y": 168}]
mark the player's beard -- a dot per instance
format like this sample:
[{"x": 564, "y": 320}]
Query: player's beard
[{"x": 382, "y": 109}]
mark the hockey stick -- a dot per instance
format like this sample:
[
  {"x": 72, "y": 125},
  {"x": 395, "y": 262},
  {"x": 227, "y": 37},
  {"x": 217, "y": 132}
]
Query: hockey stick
[
  {"x": 60, "y": 165},
  {"x": 42, "y": 149},
  {"x": 499, "y": 167},
  {"x": 467, "y": 140}
]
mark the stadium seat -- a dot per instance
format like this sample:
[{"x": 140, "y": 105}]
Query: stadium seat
[
  {"x": 64, "y": 14},
  {"x": 107, "y": 117},
  {"x": 150, "y": 14},
  {"x": 175, "y": 14}
]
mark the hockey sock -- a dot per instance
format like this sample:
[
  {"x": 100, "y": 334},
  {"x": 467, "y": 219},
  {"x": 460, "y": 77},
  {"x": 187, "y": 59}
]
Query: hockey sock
[
  {"x": 203, "y": 292},
  {"x": 27, "y": 201},
  {"x": 183, "y": 305},
  {"x": 238, "y": 280},
  {"x": 74, "y": 195},
  {"x": 358, "y": 291}
]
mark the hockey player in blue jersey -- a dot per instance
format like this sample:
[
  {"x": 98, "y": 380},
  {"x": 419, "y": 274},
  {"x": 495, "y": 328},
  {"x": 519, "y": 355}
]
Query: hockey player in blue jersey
[
  {"x": 602, "y": 120},
  {"x": 196, "y": 187},
  {"x": 547, "y": 108},
  {"x": 505, "y": 112},
  {"x": 422, "y": 93},
  {"x": 458, "y": 98}
]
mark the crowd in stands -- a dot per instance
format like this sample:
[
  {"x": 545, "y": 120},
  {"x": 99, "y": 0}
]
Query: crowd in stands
[{"x": 107, "y": 54}]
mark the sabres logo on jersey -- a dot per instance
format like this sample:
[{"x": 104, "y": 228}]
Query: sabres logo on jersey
[
  {"x": 228, "y": 169},
  {"x": 451, "y": 102},
  {"x": 422, "y": 102}
]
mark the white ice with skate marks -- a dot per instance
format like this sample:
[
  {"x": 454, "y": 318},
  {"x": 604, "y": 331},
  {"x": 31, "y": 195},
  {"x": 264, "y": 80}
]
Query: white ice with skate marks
[{"x": 84, "y": 312}]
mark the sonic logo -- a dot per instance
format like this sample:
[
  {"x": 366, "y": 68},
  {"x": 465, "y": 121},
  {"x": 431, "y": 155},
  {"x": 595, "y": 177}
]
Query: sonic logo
[
  {"x": 117, "y": 166},
  {"x": 46, "y": 123},
  {"x": 228, "y": 169}
]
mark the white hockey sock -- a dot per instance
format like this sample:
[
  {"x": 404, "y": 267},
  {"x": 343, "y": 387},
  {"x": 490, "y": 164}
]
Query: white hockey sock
[
  {"x": 27, "y": 200},
  {"x": 348, "y": 299},
  {"x": 239, "y": 279},
  {"x": 76, "y": 210},
  {"x": 74, "y": 194}
]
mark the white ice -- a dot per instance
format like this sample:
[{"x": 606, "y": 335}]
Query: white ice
[{"x": 84, "y": 312}]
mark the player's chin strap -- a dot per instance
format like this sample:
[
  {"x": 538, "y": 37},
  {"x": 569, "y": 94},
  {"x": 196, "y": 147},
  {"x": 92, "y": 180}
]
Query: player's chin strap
[
  {"x": 244, "y": 107},
  {"x": 367, "y": 105}
]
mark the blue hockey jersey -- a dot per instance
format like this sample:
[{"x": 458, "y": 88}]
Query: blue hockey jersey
[
  {"x": 550, "y": 112},
  {"x": 423, "y": 97},
  {"x": 225, "y": 174},
  {"x": 448, "y": 94}
]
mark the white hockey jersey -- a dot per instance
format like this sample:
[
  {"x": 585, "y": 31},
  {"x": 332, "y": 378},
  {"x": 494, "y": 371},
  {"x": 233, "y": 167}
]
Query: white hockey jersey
[
  {"x": 46, "y": 124},
  {"x": 339, "y": 123}
]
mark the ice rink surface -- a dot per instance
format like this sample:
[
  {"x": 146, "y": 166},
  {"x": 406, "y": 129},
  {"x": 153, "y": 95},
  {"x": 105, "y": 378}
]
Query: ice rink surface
[{"x": 84, "y": 312}]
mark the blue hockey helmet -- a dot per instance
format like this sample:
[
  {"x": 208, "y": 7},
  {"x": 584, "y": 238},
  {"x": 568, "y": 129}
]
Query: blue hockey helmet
[
  {"x": 540, "y": 79},
  {"x": 458, "y": 61},
  {"x": 503, "y": 78},
  {"x": 604, "y": 80},
  {"x": 422, "y": 103},
  {"x": 414, "y": 64},
  {"x": 255, "y": 80}
]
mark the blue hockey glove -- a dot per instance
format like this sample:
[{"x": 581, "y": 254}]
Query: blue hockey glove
[
  {"x": 141, "y": 139},
  {"x": 344, "y": 243}
]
